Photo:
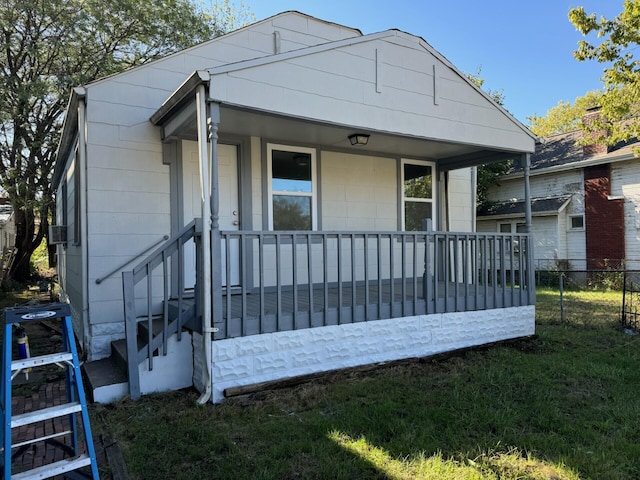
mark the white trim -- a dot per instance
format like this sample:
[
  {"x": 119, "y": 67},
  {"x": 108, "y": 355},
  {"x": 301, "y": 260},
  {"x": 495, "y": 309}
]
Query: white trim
[
  {"x": 434, "y": 192},
  {"x": 570, "y": 226},
  {"x": 314, "y": 182}
]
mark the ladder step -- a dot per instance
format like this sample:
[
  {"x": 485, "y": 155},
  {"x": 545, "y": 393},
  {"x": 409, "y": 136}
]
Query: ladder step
[
  {"x": 45, "y": 414},
  {"x": 40, "y": 439},
  {"x": 53, "y": 469},
  {"x": 42, "y": 360}
]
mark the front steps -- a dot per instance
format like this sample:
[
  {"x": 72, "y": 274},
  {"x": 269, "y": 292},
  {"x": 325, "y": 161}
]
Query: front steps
[{"x": 106, "y": 379}]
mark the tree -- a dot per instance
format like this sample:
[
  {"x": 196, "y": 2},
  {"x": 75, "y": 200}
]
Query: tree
[
  {"x": 49, "y": 46},
  {"x": 488, "y": 174},
  {"x": 565, "y": 116},
  {"x": 617, "y": 41}
]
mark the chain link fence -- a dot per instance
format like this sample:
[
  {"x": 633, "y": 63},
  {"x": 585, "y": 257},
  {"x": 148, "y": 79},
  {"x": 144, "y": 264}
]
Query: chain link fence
[{"x": 586, "y": 296}]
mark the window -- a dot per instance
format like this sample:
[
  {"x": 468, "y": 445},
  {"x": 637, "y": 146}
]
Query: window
[
  {"x": 512, "y": 227},
  {"x": 292, "y": 188},
  {"x": 418, "y": 192},
  {"x": 577, "y": 222}
]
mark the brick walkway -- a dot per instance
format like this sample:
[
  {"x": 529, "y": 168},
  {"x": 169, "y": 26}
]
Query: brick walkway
[{"x": 41, "y": 453}]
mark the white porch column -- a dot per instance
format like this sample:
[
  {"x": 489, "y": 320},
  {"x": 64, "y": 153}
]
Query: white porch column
[
  {"x": 205, "y": 275},
  {"x": 216, "y": 245}
]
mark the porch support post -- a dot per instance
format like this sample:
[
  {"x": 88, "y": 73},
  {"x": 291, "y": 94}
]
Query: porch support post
[
  {"x": 205, "y": 274},
  {"x": 526, "y": 161},
  {"x": 216, "y": 243}
]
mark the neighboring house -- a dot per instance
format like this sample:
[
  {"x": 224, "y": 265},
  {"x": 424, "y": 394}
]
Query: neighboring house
[
  {"x": 333, "y": 166},
  {"x": 7, "y": 226},
  {"x": 585, "y": 202}
]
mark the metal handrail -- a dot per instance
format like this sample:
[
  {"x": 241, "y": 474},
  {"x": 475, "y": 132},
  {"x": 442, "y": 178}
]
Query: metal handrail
[
  {"x": 157, "y": 264},
  {"x": 135, "y": 257}
]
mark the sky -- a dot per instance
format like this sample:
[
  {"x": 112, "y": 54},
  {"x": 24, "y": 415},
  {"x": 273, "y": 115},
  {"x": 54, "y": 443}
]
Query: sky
[{"x": 524, "y": 48}]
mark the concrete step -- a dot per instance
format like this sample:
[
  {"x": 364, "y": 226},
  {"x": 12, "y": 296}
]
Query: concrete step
[{"x": 105, "y": 381}]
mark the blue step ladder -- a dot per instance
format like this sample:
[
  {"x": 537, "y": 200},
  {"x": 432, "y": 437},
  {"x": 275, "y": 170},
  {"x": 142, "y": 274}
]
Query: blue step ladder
[{"x": 66, "y": 359}]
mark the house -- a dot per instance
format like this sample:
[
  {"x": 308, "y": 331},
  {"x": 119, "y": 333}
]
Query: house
[
  {"x": 279, "y": 201},
  {"x": 585, "y": 202},
  {"x": 7, "y": 226}
]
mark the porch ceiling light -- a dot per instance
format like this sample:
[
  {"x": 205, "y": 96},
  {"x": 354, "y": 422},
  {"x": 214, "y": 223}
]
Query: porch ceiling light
[{"x": 359, "y": 139}]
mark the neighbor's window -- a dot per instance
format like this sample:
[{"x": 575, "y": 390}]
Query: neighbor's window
[
  {"x": 512, "y": 227},
  {"x": 418, "y": 193},
  {"x": 292, "y": 188},
  {"x": 577, "y": 222}
]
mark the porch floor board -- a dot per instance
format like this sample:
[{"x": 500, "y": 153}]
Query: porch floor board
[{"x": 253, "y": 312}]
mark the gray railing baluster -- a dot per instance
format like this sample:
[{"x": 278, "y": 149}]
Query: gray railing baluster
[
  {"x": 165, "y": 304},
  {"x": 339, "y": 247},
  {"x": 325, "y": 273},
  {"x": 278, "y": 284},
  {"x": 261, "y": 277},
  {"x": 366, "y": 276},
  {"x": 403, "y": 273},
  {"x": 294, "y": 278},
  {"x": 310, "y": 275},
  {"x": 149, "y": 318},
  {"x": 415, "y": 273},
  {"x": 243, "y": 275},
  {"x": 379, "y": 264},
  {"x": 354, "y": 286},
  {"x": 392, "y": 273}
]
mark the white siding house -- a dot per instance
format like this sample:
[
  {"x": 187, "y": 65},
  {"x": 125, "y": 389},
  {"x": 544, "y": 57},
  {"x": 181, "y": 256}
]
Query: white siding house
[
  {"x": 584, "y": 203},
  {"x": 312, "y": 243}
]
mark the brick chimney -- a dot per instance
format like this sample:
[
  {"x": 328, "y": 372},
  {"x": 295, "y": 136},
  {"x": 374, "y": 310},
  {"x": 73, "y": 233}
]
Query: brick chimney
[{"x": 593, "y": 116}]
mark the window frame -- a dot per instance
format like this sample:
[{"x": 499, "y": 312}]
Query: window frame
[
  {"x": 434, "y": 191},
  {"x": 314, "y": 182},
  {"x": 513, "y": 229},
  {"x": 576, "y": 229}
]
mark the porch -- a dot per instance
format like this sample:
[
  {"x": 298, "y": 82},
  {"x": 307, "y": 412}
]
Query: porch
[{"x": 297, "y": 281}]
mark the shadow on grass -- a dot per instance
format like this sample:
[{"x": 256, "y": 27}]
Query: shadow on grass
[{"x": 559, "y": 406}]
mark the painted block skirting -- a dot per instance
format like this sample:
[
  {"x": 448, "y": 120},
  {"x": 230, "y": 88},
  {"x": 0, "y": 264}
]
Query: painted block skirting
[{"x": 260, "y": 358}]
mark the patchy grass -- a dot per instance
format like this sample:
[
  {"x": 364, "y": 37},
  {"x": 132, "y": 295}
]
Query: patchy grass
[{"x": 559, "y": 406}]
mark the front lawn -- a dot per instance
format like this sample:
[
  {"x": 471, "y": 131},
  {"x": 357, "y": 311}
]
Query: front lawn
[{"x": 563, "y": 405}]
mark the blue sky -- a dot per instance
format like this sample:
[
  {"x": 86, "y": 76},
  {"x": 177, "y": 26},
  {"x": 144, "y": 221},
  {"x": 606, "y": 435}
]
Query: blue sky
[{"x": 523, "y": 47}]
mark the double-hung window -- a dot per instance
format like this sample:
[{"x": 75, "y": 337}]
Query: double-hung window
[
  {"x": 292, "y": 202},
  {"x": 418, "y": 194}
]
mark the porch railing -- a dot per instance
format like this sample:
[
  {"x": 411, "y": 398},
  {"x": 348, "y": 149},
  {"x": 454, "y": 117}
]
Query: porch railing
[
  {"x": 278, "y": 281},
  {"x": 153, "y": 313}
]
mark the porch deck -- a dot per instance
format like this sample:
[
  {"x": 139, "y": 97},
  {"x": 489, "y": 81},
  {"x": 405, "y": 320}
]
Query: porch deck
[{"x": 255, "y": 312}]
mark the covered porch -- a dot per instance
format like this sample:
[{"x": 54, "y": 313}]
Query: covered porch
[{"x": 258, "y": 280}]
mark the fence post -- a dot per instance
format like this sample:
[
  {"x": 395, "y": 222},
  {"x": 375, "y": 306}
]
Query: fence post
[{"x": 561, "y": 296}]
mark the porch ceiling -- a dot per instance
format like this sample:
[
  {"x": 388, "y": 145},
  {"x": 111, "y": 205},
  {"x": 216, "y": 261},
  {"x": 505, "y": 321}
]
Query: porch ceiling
[{"x": 236, "y": 121}]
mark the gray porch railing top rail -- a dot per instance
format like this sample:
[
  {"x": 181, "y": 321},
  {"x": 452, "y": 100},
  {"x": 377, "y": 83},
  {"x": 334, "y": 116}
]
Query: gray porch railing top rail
[{"x": 279, "y": 281}]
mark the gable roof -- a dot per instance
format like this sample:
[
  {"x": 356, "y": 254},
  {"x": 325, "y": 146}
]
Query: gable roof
[
  {"x": 562, "y": 152},
  {"x": 516, "y": 208}
]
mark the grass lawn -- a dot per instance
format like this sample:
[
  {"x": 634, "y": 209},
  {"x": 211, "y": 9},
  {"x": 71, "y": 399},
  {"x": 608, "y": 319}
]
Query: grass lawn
[{"x": 563, "y": 405}]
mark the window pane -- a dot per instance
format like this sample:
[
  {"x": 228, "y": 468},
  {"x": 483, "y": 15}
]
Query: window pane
[
  {"x": 577, "y": 222},
  {"x": 290, "y": 171},
  {"x": 417, "y": 181},
  {"x": 505, "y": 228},
  {"x": 414, "y": 214},
  {"x": 521, "y": 228},
  {"x": 291, "y": 213}
]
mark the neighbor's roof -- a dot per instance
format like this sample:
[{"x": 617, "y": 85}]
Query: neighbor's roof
[
  {"x": 516, "y": 208},
  {"x": 562, "y": 151}
]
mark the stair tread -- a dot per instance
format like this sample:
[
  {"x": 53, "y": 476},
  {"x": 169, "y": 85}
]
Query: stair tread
[
  {"x": 53, "y": 469},
  {"x": 41, "y": 360},
  {"x": 105, "y": 371},
  {"x": 45, "y": 413}
]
